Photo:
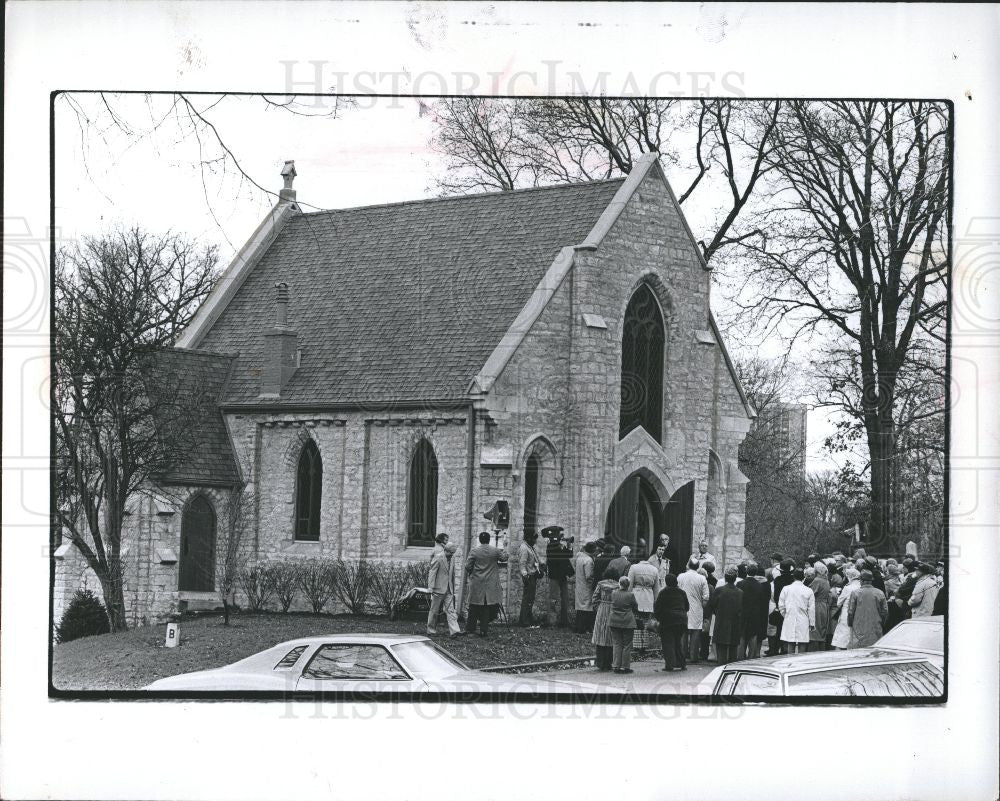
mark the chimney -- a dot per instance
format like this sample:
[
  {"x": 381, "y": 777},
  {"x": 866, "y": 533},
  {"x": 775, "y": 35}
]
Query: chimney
[
  {"x": 287, "y": 194},
  {"x": 280, "y": 348}
]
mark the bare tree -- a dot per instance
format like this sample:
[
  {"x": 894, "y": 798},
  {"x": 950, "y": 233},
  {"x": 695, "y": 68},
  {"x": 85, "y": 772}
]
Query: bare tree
[
  {"x": 232, "y": 550},
  {"x": 117, "y": 298},
  {"x": 777, "y": 517},
  {"x": 492, "y": 144},
  {"x": 116, "y": 122},
  {"x": 852, "y": 246}
]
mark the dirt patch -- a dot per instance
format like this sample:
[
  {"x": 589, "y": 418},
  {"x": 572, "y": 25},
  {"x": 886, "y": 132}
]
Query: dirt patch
[{"x": 130, "y": 660}]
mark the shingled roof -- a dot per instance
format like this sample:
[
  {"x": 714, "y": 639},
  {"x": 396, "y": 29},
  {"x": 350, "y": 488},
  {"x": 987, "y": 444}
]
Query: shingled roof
[
  {"x": 401, "y": 302},
  {"x": 186, "y": 387}
]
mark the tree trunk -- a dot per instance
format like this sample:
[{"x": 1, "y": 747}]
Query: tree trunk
[
  {"x": 881, "y": 446},
  {"x": 114, "y": 598}
]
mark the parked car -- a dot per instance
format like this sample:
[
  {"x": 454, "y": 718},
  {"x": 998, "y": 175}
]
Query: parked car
[
  {"x": 363, "y": 663},
  {"x": 874, "y": 672},
  {"x": 919, "y": 634}
]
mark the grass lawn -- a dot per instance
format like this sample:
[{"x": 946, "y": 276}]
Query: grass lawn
[{"x": 132, "y": 659}]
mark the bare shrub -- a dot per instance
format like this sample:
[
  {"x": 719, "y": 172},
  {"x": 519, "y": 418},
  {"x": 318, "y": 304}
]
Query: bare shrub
[
  {"x": 284, "y": 577},
  {"x": 257, "y": 586},
  {"x": 419, "y": 573},
  {"x": 353, "y": 584},
  {"x": 317, "y": 580},
  {"x": 389, "y": 582}
]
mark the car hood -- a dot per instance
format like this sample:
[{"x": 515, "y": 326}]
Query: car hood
[{"x": 223, "y": 680}]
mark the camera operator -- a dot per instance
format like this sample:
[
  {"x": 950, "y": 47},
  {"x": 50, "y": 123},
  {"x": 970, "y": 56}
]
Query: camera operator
[{"x": 558, "y": 556}]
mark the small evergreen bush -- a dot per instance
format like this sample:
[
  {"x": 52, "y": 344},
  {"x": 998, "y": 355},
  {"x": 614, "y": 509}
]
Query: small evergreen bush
[{"x": 84, "y": 617}]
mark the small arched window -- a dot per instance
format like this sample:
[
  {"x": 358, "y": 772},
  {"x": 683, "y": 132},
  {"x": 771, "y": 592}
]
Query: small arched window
[
  {"x": 422, "y": 500},
  {"x": 308, "y": 491},
  {"x": 643, "y": 341}
]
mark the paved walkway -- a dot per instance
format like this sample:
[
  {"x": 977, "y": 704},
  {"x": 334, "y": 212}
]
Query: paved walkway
[{"x": 646, "y": 678}]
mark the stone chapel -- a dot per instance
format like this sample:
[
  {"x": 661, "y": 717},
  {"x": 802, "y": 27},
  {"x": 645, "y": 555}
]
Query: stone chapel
[{"x": 376, "y": 375}]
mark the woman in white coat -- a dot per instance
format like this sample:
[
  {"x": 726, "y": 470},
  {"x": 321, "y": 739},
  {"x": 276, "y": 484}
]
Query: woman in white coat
[
  {"x": 797, "y": 606},
  {"x": 842, "y": 634}
]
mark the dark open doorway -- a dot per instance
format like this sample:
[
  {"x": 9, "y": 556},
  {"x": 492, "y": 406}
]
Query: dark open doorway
[
  {"x": 679, "y": 520},
  {"x": 635, "y": 515}
]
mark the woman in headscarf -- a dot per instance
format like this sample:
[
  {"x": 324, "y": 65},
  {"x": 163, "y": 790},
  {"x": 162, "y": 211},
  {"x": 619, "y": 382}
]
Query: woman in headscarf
[
  {"x": 819, "y": 634},
  {"x": 842, "y": 634},
  {"x": 601, "y": 600},
  {"x": 892, "y": 584}
]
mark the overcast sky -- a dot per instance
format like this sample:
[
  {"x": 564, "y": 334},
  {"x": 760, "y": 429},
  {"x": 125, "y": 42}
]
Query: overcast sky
[{"x": 377, "y": 153}]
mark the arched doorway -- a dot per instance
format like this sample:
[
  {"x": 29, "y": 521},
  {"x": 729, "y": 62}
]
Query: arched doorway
[
  {"x": 635, "y": 515},
  {"x": 197, "y": 562}
]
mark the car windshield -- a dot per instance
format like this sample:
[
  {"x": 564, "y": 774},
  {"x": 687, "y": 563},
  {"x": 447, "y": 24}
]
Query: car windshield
[
  {"x": 426, "y": 658},
  {"x": 910, "y": 679},
  {"x": 920, "y": 636},
  {"x": 756, "y": 684}
]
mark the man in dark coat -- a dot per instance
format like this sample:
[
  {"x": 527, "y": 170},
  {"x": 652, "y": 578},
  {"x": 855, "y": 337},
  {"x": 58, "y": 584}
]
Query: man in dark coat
[
  {"x": 872, "y": 566},
  {"x": 558, "y": 554},
  {"x": 619, "y": 567},
  {"x": 603, "y": 556},
  {"x": 756, "y": 594},
  {"x": 483, "y": 569},
  {"x": 727, "y": 606},
  {"x": 905, "y": 591},
  {"x": 670, "y": 610}
]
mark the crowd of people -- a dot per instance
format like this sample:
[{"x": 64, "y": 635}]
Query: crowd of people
[
  {"x": 621, "y": 598},
  {"x": 820, "y": 603}
]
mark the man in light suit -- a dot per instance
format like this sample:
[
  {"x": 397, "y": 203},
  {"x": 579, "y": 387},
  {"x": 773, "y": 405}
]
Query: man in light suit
[
  {"x": 441, "y": 582},
  {"x": 483, "y": 569}
]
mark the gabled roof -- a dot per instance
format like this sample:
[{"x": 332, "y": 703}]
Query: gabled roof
[
  {"x": 401, "y": 302},
  {"x": 187, "y": 386}
]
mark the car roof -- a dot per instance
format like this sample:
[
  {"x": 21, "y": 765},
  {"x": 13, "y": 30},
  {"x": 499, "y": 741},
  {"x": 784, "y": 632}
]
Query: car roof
[{"x": 827, "y": 660}]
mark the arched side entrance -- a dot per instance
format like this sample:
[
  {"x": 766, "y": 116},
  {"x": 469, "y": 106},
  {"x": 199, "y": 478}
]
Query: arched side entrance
[{"x": 197, "y": 562}]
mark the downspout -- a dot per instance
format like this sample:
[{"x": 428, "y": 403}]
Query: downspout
[
  {"x": 723, "y": 497},
  {"x": 470, "y": 478}
]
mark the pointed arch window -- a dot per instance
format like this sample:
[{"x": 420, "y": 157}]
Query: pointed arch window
[
  {"x": 643, "y": 340},
  {"x": 422, "y": 496},
  {"x": 532, "y": 477},
  {"x": 308, "y": 492}
]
